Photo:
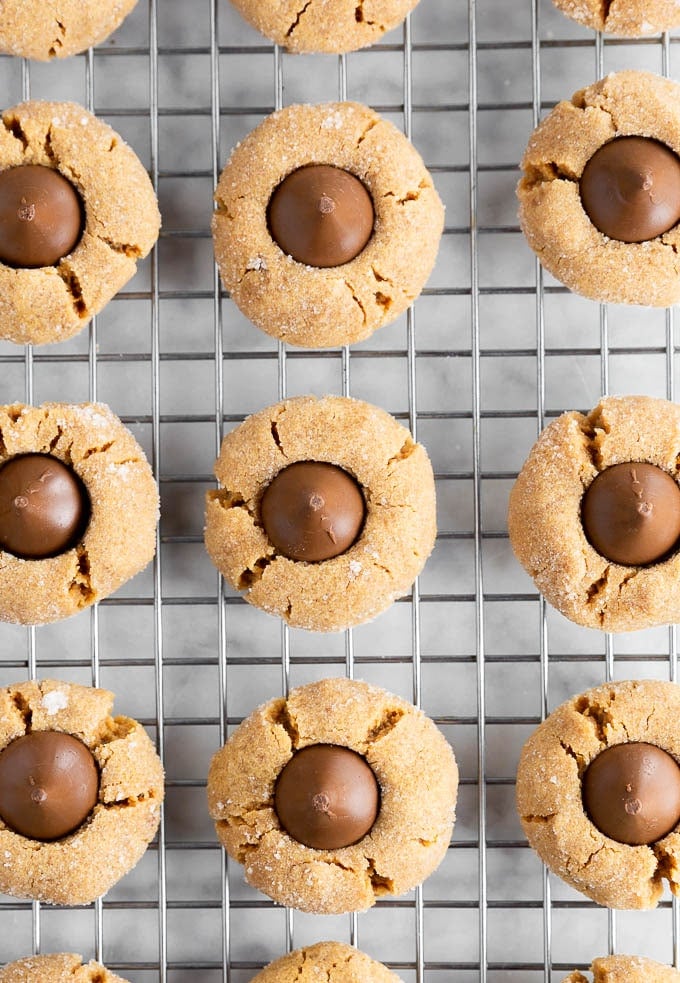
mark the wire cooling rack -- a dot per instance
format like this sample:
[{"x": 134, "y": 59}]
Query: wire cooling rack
[{"x": 491, "y": 350}]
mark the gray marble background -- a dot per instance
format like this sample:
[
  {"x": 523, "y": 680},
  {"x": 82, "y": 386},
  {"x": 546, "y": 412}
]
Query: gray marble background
[{"x": 439, "y": 636}]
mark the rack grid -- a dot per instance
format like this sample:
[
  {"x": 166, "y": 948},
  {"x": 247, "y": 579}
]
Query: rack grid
[{"x": 491, "y": 350}]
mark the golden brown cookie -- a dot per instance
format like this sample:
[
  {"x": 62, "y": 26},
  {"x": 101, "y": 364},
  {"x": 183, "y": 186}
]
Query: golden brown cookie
[
  {"x": 52, "y": 303},
  {"x": 551, "y": 212},
  {"x": 45, "y": 29},
  {"x": 395, "y": 477},
  {"x": 338, "y": 962},
  {"x": 415, "y": 770},
  {"x": 84, "y": 864},
  {"x": 549, "y": 792},
  {"x": 317, "y": 307},
  {"x": 60, "y": 967},
  {"x": 120, "y": 537},
  {"x": 333, "y": 26},
  {"x": 544, "y": 518},
  {"x": 626, "y": 18},
  {"x": 626, "y": 969}
]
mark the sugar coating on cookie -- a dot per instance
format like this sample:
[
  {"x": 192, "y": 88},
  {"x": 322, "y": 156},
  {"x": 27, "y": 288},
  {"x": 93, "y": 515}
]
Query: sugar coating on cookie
[
  {"x": 322, "y": 307},
  {"x": 332, "y": 26},
  {"x": 121, "y": 220},
  {"x": 551, "y": 210},
  {"x": 333, "y": 961},
  {"x": 395, "y": 476},
  {"x": 415, "y": 769},
  {"x": 85, "y": 863},
  {"x": 120, "y": 537},
  {"x": 545, "y": 519},
  {"x": 626, "y": 969},
  {"x": 549, "y": 792},
  {"x": 625, "y": 18},
  {"x": 59, "y": 967},
  {"x": 46, "y": 29}
]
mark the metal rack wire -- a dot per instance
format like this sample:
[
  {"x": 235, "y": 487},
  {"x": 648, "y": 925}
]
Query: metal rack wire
[{"x": 489, "y": 352}]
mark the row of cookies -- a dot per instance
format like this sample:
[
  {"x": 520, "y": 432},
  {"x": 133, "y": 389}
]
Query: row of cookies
[
  {"x": 325, "y": 512},
  {"x": 337, "y": 962},
  {"x": 31, "y": 30},
  {"x": 316, "y": 794}
]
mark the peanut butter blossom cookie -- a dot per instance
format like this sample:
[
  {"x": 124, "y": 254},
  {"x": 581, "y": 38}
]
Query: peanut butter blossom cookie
[
  {"x": 45, "y": 29},
  {"x": 626, "y": 969},
  {"x": 600, "y": 195},
  {"x": 80, "y": 793},
  {"x": 77, "y": 211},
  {"x": 594, "y": 515},
  {"x": 327, "y": 224},
  {"x": 626, "y": 18},
  {"x": 61, "y": 967},
  {"x": 337, "y": 796},
  {"x": 78, "y": 509},
  {"x": 325, "y": 512},
  {"x": 333, "y": 26},
  {"x": 333, "y": 962},
  {"x": 598, "y": 792}
]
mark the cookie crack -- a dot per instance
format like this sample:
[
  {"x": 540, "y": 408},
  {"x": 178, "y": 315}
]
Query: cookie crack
[
  {"x": 49, "y": 149},
  {"x": 131, "y": 801},
  {"x": 587, "y": 862},
  {"x": 123, "y": 248},
  {"x": 380, "y": 566},
  {"x": 252, "y": 575},
  {"x": 13, "y": 126},
  {"x": 361, "y": 19},
  {"x": 231, "y": 500},
  {"x": 604, "y": 13},
  {"x": 3, "y": 446},
  {"x": 387, "y": 723},
  {"x": 581, "y": 763},
  {"x": 404, "y": 452},
  {"x": 277, "y": 436},
  {"x": 283, "y": 717},
  {"x": 81, "y": 583},
  {"x": 57, "y": 437},
  {"x": 599, "y": 716},
  {"x": 100, "y": 450},
  {"x": 356, "y": 300},
  {"x": 380, "y": 884},
  {"x": 367, "y": 129},
  {"x": 666, "y": 866},
  {"x": 298, "y": 18},
  {"x": 70, "y": 278},
  {"x": 594, "y": 592},
  {"x": 23, "y": 706},
  {"x": 409, "y": 196},
  {"x": 547, "y": 171},
  {"x": 537, "y": 820}
]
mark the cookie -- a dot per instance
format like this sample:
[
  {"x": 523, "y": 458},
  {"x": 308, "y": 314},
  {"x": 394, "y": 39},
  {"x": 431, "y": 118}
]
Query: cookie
[
  {"x": 78, "y": 509},
  {"x": 113, "y": 223},
  {"x": 59, "y": 844},
  {"x": 625, "y": 18},
  {"x": 610, "y": 585},
  {"x": 60, "y": 967},
  {"x": 334, "y": 26},
  {"x": 319, "y": 306},
  {"x": 629, "y": 257},
  {"x": 338, "y": 962},
  {"x": 598, "y": 792},
  {"x": 379, "y": 518},
  {"x": 45, "y": 29},
  {"x": 348, "y": 726},
  {"x": 626, "y": 969}
]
